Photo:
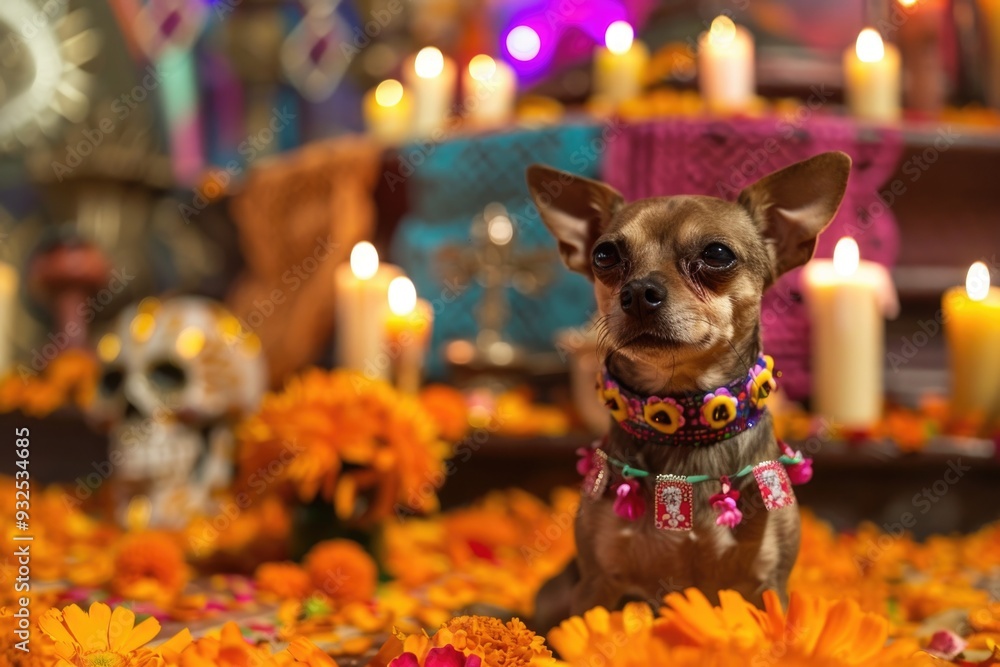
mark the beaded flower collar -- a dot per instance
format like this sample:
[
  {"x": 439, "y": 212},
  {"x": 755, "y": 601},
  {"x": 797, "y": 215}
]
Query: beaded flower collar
[{"x": 694, "y": 420}]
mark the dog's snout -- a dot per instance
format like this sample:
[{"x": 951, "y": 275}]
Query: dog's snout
[{"x": 642, "y": 296}]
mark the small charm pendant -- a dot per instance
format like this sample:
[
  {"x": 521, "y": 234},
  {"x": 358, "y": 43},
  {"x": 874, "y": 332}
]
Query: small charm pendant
[
  {"x": 775, "y": 487},
  {"x": 596, "y": 481},
  {"x": 674, "y": 503}
]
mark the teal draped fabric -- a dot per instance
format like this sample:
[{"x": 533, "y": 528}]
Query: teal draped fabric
[{"x": 448, "y": 184}]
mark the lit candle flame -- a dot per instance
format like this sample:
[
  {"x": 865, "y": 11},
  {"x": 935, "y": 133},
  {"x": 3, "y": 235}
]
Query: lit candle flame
[
  {"x": 846, "y": 257},
  {"x": 429, "y": 62},
  {"x": 977, "y": 281},
  {"x": 869, "y": 46},
  {"x": 618, "y": 37},
  {"x": 402, "y": 296},
  {"x": 364, "y": 260},
  {"x": 907, "y": 3},
  {"x": 482, "y": 67},
  {"x": 389, "y": 93},
  {"x": 523, "y": 43},
  {"x": 723, "y": 31}
]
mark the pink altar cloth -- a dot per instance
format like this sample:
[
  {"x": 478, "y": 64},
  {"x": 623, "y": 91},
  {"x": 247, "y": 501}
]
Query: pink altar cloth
[{"x": 721, "y": 157}]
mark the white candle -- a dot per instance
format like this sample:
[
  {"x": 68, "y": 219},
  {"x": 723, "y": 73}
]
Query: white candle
[
  {"x": 8, "y": 299},
  {"x": 361, "y": 288},
  {"x": 848, "y": 301},
  {"x": 489, "y": 88},
  {"x": 620, "y": 65},
  {"x": 388, "y": 112},
  {"x": 431, "y": 76},
  {"x": 409, "y": 330},
  {"x": 872, "y": 78},
  {"x": 726, "y": 76},
  {"x": 972, "y": 329}
]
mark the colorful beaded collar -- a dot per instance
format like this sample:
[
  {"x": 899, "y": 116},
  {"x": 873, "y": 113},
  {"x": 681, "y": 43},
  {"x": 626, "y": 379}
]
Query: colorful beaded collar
[{"x": 694, "y": 420}]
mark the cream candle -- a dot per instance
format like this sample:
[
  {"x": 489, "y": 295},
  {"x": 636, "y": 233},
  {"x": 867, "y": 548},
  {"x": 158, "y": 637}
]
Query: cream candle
[
  {"x": 361, "y": 288},
  {"x": 431, "y": 76},
  {"x": 409, "y": 330},
  {"x": 489, "y": 87},
  {"x": 388, "y": 112},
  {"x": 972, "y": 331},
  {"x": 848, "y": 300},
  {"x": 620, "y": 65},
  {"x": 872, "y": 78},
  {"x": 726, "y": 75},
  {"x": 8, "y": 298}
]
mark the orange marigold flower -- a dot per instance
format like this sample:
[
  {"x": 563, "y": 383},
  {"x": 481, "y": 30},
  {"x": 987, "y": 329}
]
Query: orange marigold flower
[
  {"x": 489, "y": 641},
  {"x": 499, "y": 644},
  {"x": 691, "y": 631},
  {"x": 70, "y": 376},
  {"x": 448, "y": 408},
  {"x": 149, "y": 566},
  {"x": 348, "y": 438},
  {"x": 814, "y": 630},
  {"x": 342, "y": 571},
  {"x": 287, "y": 581},
  {"x": 231, "y": 649},
  {"x": 302, "y": 651},
  {"x": 106, "y": 638}
]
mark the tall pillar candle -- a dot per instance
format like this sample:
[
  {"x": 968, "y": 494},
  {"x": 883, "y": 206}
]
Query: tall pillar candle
[
  {"x": 388, "y": 112},
  {"x": 431, "y": 77},
  {"x": 489, "y": 87},
  {"x": 872, "y": 78},
  {"x": 848, "y": 301},
  {"x": 620, "y": 65},
  {"x": 726, "y": 75},
  {"x": 361, "y": 290},
  {"x": 972, "y": 330},
  {"x": 409, "y": 330}
]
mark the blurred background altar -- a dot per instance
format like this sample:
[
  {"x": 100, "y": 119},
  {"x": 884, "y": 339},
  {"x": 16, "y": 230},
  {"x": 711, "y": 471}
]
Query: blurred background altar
[{"x": 248, "y": 151}]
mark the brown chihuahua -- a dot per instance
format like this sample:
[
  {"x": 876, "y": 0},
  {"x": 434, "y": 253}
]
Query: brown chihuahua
[{"x": 679, "y": 282}]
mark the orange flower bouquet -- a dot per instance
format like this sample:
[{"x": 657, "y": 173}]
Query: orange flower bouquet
[
  {"x": 360, "y": 444},
  {"x": 70, "y": 377}
]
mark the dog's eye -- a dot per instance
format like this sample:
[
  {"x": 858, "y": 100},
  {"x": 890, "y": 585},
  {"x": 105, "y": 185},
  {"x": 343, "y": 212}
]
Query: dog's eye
[
  {"x": 718, "y": 256},
  {"x": 606, "y": 256}
]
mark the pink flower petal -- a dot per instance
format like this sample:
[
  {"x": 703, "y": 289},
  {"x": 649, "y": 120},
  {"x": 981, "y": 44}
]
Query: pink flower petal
[
  {"x": 405, "y": 660},
  {"x": 946, "y": 644}
]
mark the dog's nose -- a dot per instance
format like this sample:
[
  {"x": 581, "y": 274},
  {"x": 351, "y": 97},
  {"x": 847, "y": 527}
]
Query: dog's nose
[{"x": 642, "y": 296}]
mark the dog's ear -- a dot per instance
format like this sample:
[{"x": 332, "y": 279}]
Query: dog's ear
[
  {"x": 792, "y": 206},
  {"x": 575, "y": 209}
]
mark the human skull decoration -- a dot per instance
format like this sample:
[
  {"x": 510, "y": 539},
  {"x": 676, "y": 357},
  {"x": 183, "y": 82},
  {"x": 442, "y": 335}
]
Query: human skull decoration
[{"x": 176, "y": 376}]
